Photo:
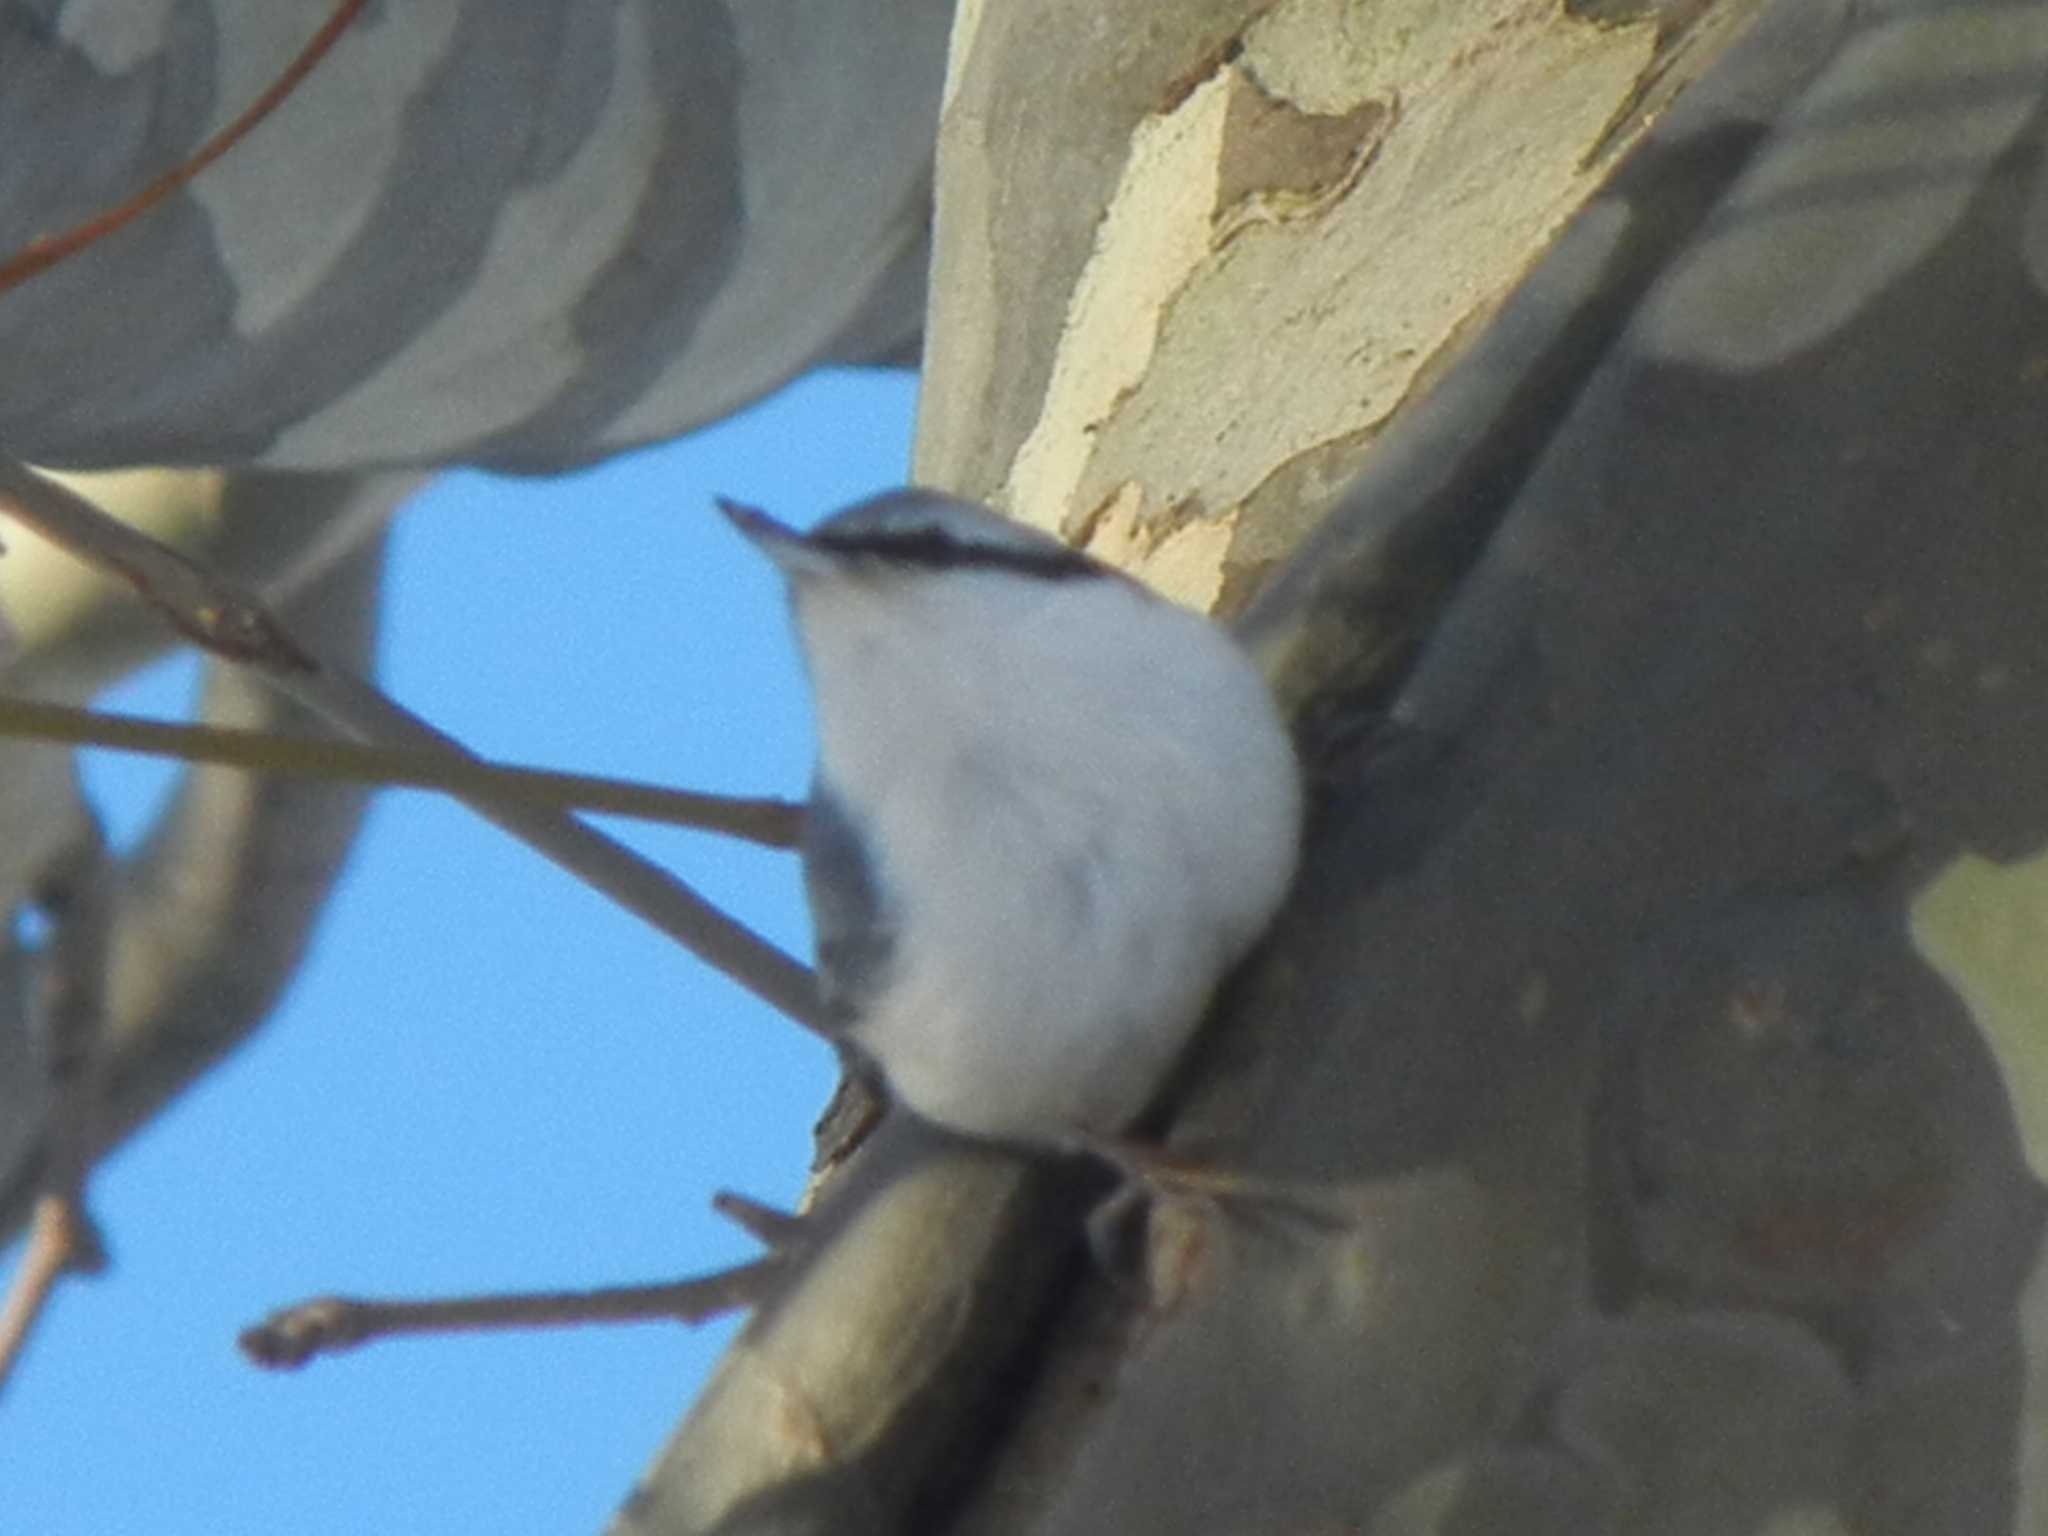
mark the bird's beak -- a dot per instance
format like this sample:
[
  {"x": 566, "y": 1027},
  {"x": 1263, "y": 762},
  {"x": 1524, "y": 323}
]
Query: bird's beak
[{"x": 793, "y": 554}]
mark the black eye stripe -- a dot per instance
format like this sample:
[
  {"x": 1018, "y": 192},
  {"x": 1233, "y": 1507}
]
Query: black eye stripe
[{"x": 930, "y": 549}]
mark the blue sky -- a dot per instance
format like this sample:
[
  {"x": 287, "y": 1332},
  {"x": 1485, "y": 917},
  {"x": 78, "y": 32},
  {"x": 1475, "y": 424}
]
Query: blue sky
[{"x": 485, "y": 1077}]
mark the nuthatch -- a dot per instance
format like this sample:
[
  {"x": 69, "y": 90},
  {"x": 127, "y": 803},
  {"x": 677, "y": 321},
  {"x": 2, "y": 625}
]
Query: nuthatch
[{"x": 1050, "y": 810}]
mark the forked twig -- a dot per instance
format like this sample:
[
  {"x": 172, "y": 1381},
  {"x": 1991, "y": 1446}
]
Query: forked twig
[
  {"x": 330, "y": 1324},
  {"x": 402, "y": 748},
  {"x": 232, "y": 623},
  {"x": 207, "y": 609}
]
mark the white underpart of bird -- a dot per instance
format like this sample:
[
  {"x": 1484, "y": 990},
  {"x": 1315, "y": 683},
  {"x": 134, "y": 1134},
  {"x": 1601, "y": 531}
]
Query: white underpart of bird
[{"x": 1051, "y": 809}]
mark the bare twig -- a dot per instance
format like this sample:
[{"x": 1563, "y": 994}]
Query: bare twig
[
  {"x": 211, "y": 911},
  {"x": 46, "y": 251},
  {"x": 205, "y": 608},
  {"x": 234, "y": 624},
  {"x": 61, "y": 1241},
  {"x": 770, "y": 822},
  {"x": 69, "y": 1009},
  {"x": 331, "y": 1324},
  {"x": 773, "y": 1228}
]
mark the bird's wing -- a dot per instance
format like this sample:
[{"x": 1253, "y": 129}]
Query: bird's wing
[{"x": 855, "y": 929}]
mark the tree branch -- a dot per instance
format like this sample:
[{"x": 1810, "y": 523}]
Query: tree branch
[
  {"x": 44, "y": 252},
  {"x": 772, "y": 823},
  {"x": 69, "y": 1006},
  {"x": 330, "y": 1324},
  {"x": 234, "y": 624}
]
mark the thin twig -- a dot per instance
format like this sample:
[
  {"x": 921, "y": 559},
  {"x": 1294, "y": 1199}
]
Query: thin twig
[
  {"x": 45, "y": 251},
  {"x": 232, "y": 623},
  {"x": 68, "y": 1006},
  {"x": 61, "y": 1241},
  {"x": 772, "y": 1227},
  {"x": 207, "y": 609},
  {"x": 331, "y": 1324},
  {"x": 771, "y": 823}
]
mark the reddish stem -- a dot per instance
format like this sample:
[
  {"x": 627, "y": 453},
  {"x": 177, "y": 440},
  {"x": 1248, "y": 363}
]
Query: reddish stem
[{"x": 45, "y": 251}]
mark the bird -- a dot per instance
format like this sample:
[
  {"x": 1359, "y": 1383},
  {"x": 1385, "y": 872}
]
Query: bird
[{"x": 1050, "y": 810}]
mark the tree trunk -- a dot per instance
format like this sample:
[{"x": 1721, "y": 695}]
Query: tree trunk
[{"x": 1659, "y": 1031}]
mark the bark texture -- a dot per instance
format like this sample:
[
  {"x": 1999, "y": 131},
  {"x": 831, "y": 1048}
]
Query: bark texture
[
  {"x": 1660, "y": 1015},
  {"x": 528, "y": 234}
]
